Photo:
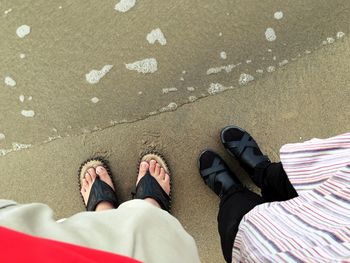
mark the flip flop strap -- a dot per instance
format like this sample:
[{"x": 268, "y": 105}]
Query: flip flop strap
[
  {"x": 101, "y": 191},
  {"x": 148, "y": 187}
]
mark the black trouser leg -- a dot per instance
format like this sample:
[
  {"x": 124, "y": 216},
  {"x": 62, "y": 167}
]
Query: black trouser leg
[
  {"x": 275, "y": 186},
  {"x": 274, "y": 182},
  {"x": 233, "y": 206}
]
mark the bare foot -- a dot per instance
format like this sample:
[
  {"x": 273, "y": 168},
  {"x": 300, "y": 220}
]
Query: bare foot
[
  {"x": 89, "y": 179},
  {"x": 158, "y": 173}
]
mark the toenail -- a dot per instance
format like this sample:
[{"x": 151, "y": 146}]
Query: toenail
[
  {"x": 143, "y": 165},
  {"x": 99, "y": 169}
]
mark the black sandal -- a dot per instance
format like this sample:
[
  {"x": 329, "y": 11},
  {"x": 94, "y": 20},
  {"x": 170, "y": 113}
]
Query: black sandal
[
  {"x": 100, "y": 191},
  {"x": 242, "y": 145},
  {"x": 148, "y": 187},
  {"x": 216, "y": 174}
]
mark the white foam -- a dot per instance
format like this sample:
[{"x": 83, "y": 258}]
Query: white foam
[
  {"x": 270, "y": 34},
  {"x": 330, "y": 40},
  {"x": 248, "y": 61},
  {"x": 184, "y": 72},
  {"x": 21, "y": 98},
  {"x": 22, "y": 31},
  {"x": 124, "y": 5},
  {"x": 215, "y": 88},
  {"x": 30, "y": 98},
  {"x": 8, "y": 11},
  {"x": 190, "y": 88},
  {"x": 260, "y": 71},
  {"x": 182, "y": 79},
  {"x": 15, "y": 147},
  {"x": 340, "y": 35},
  {"x": 270, "y": 69},
  {"x": 244, "y": 79},
  {"x": 283, "y": 63},
  {"x": 192, "y": 98},
  {"x": 148, "y": 65},
  {"x": 94, "y": 75},
  {"x": 278, "y": 15},
  {"x": 22, "y": 55},
  {"x": 167, "y": 90},
  {"x": 171, "y": 107},
  {"x": 10, "y": 81},
  {"x": 220, "y": 34},
  {"x": 19, "y": 146},
  {"x": 2, "y": 136},
  {"x": 274, "y": 58},
  {"x": 95, "y": 100},
  {"x": 223, "y": 55},
  {"x": 227, "y": 68},
  {"x": 156, "y": 35},
  {"x": 28, "y": 113}
]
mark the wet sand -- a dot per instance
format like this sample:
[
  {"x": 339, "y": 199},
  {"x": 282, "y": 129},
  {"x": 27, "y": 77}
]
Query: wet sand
[{"x": 303, "y": 98}]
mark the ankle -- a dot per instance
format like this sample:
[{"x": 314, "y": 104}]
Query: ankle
[{"x": 104, "y": 205}]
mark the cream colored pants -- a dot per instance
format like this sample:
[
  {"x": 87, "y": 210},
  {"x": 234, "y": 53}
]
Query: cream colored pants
[{"x": 136, "y": 229}]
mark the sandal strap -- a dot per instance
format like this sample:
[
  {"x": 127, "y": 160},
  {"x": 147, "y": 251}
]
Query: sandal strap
[
  {"x": 215, "y": 168},
  {"x": 101, "y": 191},
  {"x": 244, "y": 149},
  {"x": 218, "y": 177},
  {"x": 240, "y": 146},
  {"x": 148, "y": 187}
]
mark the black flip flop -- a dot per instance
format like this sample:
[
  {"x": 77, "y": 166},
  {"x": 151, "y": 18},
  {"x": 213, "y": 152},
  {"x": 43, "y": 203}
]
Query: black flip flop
[
  {"x": 148, "y": 187},
  {"x": 100, "y": 191},
  {"x": 215, "y": 173},
  {"x": 242, "y": 145}
]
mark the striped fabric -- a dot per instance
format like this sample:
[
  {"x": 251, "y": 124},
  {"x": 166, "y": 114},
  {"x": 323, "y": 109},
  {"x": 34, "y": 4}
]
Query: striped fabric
[{"x": 313, "y": 227}]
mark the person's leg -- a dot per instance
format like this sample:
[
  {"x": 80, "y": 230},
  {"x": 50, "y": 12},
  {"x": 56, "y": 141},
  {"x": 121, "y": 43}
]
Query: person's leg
[
  {"x": 137, "y": 228},
  {"x": 235, "y": 202},
  {"x": 233, "y": 206},
  {"x": 274, "y": 182}
]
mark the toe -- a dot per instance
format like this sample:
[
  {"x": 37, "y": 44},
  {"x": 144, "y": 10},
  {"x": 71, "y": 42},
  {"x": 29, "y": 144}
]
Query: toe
[
  {"x": 84, "y": 184},
  {"x": 162, "y": 174},
  {"x": 152, "y": 166},
  {"x": 104, "y": 176},
  {"x": 102, "y": 172},
  {"x": 88, "y": 178},
  {"x": 157, "y": 170},
  {"x": 92, "y": 172},
  {"x": 167, "y": 178},
  {"x": 143, "y": 168},
  {"x": 167, "y": 183}
]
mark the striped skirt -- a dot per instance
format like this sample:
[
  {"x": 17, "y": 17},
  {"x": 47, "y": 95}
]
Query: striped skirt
[{"x": 313, "y": 227}]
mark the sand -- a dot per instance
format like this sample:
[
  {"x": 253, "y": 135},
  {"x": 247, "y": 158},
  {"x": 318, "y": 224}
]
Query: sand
[{"x": 299, "y": 91}]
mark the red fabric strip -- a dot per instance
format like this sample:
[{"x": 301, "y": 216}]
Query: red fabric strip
[{"x": 19, "y": 247}]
